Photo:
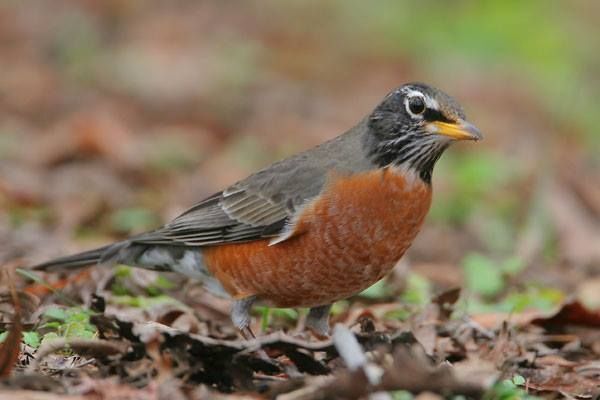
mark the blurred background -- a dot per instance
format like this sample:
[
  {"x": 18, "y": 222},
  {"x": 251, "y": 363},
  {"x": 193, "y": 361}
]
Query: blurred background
[{"x": 116, "y": 115}]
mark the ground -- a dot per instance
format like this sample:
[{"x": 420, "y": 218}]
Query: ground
[{"x": 117, "y": 115}]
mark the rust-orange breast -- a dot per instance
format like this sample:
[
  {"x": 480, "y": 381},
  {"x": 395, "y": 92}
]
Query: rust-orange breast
[{"x": 346, "y": 240}]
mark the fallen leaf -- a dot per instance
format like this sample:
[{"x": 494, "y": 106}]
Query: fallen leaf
[
  {"x": 423, "y": 326},
  {"x": 573, "y": 313},
  {"x": 10, "y": 349},
  {"x": 446, "y": 301}
]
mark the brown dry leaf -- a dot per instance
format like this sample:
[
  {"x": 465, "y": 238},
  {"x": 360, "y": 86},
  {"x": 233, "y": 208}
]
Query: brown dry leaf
[
  {"x": 428, "y": 396},
  {"x": 409, "y": 369},
  {"x": 28, "y": 303},
  {"x": 494, "y": 320},
  {"x": 412, "y": 371},
  {"x": 476, "y": 370},
  {"x": 41, "y": 289},
  {"x": 423, "y": 326},
  {"x": 111, "y": 388},
  {"x": 578, "y": 231},
  {"x": 87, "y": 134},
  {"x": 573, "y": 313},
  {"x": 446, "y": 301},
  {"x": 502, "y": 348},
  {"x": 566, "y": 383},
  {"x": 37, "y": 395},
  {"x": 555, "y": 360},
  {"x": 11, "y": 347}
]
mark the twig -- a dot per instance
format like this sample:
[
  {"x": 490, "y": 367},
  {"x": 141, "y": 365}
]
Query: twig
[{"x": 95, "y": 347}]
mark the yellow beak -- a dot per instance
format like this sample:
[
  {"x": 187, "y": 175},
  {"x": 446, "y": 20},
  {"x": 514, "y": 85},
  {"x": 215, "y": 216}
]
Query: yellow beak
[{"x": 460, "y": 130}]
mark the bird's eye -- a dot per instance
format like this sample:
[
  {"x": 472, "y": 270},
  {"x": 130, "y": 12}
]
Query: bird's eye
[{"x": 416, "y": 105}]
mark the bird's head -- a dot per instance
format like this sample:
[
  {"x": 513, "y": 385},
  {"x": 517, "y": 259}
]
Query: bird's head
[{"x": 413, "y": 126}]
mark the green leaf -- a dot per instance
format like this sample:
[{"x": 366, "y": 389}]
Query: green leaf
[
  {"x": 418, "y": 290},
  {"x": 507, "y": 390},
  {"x": 159, "y": 286},
  {"x": 32, "y": 276},
  {"x": 145, "y": 302},
  {"x": 400, "y": 314},
  {"x": 539, "y": 298},
  {"x": 339, "y": 307},
  {"x": 285, "y": 313},
  {"x": 518, "y": 380},
  {"x": 51, "y": 325},
  {"x": 264, "y": 318},
  {"x": 163, "y": 282},
  {"x": 122, "y": 271},
  {"x": 3, "y": 336},
  {"x": 376, "y": 291},
  {"x": 31, "y": 338},
  {"x": 268, "y": 314},
  {"x": 513, "y": 265},
  {"x": 482, "y": 275},
  {"x": 49, "y": 337},
  {"x": 56, "y": 313},
  {"x": 79, "y": 330},
  {"x": 69, "y": 322},
  {"x": 402, "y": 395}
]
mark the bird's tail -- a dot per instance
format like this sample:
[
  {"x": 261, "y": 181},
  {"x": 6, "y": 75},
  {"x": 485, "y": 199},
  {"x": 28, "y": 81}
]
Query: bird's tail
[
  {"x": 79, "y": 260},
  {"x": 187, "y": 261}
]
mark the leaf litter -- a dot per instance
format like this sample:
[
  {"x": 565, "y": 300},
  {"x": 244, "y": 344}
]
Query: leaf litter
[
  {"x": 89, "y": 155},
  {"x": 435, "y": 350}
]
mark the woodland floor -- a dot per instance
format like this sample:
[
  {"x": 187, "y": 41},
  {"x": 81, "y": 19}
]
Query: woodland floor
[{"x": 117, "y": 115}]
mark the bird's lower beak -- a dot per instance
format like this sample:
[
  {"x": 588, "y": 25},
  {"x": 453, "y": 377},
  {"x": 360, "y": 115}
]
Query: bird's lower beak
[{"x": 460, "y": 130}]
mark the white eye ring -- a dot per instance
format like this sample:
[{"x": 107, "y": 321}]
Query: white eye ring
[{"x": 415, "y": 104}]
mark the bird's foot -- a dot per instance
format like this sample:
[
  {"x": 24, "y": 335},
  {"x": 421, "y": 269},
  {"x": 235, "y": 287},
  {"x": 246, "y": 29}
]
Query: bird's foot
[
  {"x": 317, "y": 321},
  {"x": 247, "y": 333},
  {"x": 240, "y": 316}
]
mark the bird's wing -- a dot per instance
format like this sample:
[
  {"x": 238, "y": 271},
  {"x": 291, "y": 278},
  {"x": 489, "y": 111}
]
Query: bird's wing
[
  {"x": 240, "y": 213},
  {"x": 261, "y": 205}
]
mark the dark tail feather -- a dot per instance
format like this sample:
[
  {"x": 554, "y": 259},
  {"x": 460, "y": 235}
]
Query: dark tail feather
[{"x": 79, "y": 260}]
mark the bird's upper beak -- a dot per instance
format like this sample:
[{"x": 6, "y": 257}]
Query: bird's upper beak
[{"x": 459, "y": 130}]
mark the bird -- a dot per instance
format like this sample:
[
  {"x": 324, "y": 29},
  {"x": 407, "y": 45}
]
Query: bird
[{"x": 314, "y": 228}]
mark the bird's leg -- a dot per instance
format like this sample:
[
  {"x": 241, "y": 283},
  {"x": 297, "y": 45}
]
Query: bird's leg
[
  {"x": 317, "y": 320},
  {"x": 240, "y": 316}
]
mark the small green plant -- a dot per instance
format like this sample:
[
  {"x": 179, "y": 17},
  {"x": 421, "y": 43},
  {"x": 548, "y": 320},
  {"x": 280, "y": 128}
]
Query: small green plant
[
  {"x": 487, "y": 277},
  {"x": 32, "y": 339},
  {"x": 418, "y": 290},
  {"x": 401, "y": 395},
  {"x": 509, "y": 389},
  {"x": 71, "y": 322},
  {"x": 482, "y": 275},
  {"x": 159, "y": 286},
  {"x": 145, "y": 301},
  {"x": 530, "y": 297},
  {"x": 268, "y": 313},
  {"x": 417, "y": 293}
]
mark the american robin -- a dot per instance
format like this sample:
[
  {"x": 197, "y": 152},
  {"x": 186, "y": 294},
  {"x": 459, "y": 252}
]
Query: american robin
[{"x": 314, "y": 228}]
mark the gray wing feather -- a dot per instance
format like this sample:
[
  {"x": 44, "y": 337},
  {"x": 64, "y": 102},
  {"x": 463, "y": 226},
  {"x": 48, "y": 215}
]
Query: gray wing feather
[{"x": 260, "y": 205}]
